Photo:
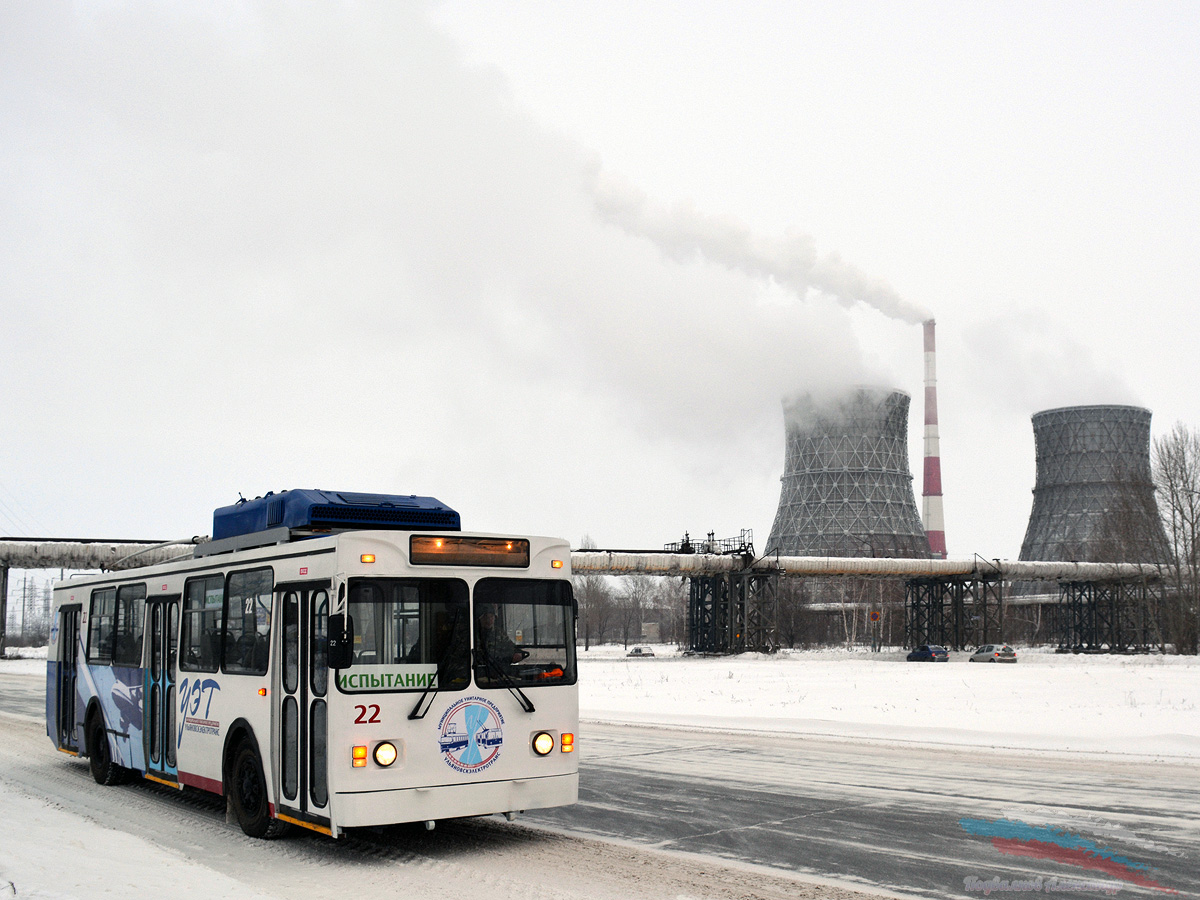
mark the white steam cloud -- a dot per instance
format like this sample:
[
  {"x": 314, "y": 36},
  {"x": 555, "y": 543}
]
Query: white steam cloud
[{"x": 682, "y": 231}]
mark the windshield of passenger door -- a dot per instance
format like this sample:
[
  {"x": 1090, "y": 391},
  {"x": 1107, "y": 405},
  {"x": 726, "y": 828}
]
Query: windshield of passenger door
[{"x": 524, "y": 633}]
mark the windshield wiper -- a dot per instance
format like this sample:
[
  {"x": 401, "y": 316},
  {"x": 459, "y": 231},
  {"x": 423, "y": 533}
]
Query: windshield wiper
[
  {"x": 505, "y": 679},
  {"x": 432, "y": 689}
]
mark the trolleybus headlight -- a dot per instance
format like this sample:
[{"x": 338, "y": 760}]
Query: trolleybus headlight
[
  {"x": 543, "y": 743},
  {"x": 385, "y": 754}
]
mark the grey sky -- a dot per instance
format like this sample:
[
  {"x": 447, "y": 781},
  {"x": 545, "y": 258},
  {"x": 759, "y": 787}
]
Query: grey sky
[{"x": 257, "y": 246}]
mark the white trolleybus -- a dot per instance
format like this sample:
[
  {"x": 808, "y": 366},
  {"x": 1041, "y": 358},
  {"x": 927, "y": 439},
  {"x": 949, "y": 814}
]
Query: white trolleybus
[{"x": 329, "y": 660}]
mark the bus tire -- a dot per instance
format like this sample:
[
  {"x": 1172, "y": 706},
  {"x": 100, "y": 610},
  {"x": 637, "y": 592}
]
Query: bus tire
[
  {"x": 100, "y": 760},
  {"x": 248, "y": 795}
]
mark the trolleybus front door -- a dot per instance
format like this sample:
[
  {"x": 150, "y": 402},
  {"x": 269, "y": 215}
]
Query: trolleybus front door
[
  {"x": 162, "y": 629},
  {"x": 68, "y": 661},
  {"x": 302, "y": 709}
]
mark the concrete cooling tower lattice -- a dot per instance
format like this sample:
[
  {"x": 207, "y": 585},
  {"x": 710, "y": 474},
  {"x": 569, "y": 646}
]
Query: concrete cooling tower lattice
[
  {"x": 846, "y": 487},
  {"x": 1093, "y": 500}
]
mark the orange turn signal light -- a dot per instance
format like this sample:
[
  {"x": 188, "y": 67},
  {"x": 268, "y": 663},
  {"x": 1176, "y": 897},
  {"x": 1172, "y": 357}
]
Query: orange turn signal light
[
  {"x": 556, "y": 563},
  {"x": 367, "y": 558},
  {"x": 262, "y": 692},
  {"x": 359, "y": 755},
  {"x": 566, "y": 741}
]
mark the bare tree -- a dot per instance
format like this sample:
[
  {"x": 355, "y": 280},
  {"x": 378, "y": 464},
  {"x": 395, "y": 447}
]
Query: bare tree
[
  {"x": 669, "y": 607},
  {"x": 635, "y": 596},
  {"x": 1176, "y": 467},
  {"x": 594, "y": 595}
]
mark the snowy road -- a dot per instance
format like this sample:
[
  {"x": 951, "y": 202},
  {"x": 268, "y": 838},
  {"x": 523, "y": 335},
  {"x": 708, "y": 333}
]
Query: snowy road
[
  {"x": 63, "y": 836},
  {"x": 882, "y": 816},
  {"x": 886, "y": 814}
]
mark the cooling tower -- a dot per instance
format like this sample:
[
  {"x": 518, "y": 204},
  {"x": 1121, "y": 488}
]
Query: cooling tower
[
  {"x": 847, "y": 489},
  {"x": 1093, "y": 500}
]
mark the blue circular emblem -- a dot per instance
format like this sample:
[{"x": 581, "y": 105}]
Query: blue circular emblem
[{"x": 471, "y": 733}]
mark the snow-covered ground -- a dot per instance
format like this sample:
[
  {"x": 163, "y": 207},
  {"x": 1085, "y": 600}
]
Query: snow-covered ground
[{"x": 1145, "y": 705}]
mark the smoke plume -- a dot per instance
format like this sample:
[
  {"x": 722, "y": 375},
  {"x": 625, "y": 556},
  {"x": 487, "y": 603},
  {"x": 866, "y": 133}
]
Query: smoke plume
[{"x": 682, "y": 231}]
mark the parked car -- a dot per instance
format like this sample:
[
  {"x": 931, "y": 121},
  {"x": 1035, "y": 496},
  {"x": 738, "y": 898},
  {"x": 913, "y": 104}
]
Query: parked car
[
  {"x": 994, "y": 653},
  {"x": 929, "y": 653},
  {"x": 640, "y": 651}
]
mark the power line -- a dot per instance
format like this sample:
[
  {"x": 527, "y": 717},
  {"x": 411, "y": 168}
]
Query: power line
[{"x": 15, "y": 519}]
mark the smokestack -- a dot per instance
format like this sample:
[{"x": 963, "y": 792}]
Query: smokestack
[{"x": 931, "y": 491}]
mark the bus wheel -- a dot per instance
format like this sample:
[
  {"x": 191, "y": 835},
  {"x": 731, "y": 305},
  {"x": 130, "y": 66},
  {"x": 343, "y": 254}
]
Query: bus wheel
[
  {"x": 100, "y": 760},
  {"x": 248, "y": 795}
]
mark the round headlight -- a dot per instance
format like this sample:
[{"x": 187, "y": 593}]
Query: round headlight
[
  {"x": 385, "y": 754},
  {"x": 543, "y": 743}
]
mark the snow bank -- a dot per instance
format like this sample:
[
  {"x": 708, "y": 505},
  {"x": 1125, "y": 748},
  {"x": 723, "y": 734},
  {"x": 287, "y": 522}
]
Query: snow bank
[
  {"x": 35, "y": 836},
  {"x": 1144, "y": 705}
]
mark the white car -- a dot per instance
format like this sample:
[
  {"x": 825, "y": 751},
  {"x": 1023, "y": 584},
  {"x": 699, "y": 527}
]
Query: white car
[
  {"x": 640, "y": 651},
  {"x": 994, "y": 653}
]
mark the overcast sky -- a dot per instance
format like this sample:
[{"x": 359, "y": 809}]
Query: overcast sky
[{"x": 556, "y": 264}]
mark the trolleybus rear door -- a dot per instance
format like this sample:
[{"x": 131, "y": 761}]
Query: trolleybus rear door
[
  {"x": 162, "y": 630},
  {"x": 302, "y": 708},
  {"x": 68, "y": 661}
]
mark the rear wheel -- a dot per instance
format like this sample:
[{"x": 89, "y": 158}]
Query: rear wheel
[
  {"x": 248, "y": 795},
  {"x": 100, "y": 760}
]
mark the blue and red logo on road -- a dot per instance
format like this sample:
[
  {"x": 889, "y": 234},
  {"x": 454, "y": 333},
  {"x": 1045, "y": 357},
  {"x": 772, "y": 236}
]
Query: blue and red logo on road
[{"x": 471, "y": 734}]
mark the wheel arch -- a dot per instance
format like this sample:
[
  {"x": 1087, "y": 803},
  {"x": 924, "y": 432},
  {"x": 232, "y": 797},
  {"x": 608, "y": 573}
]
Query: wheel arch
[{"x": 239, "y": 731}]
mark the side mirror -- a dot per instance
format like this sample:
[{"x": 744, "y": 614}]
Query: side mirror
[{"x": 341, "y": 641}]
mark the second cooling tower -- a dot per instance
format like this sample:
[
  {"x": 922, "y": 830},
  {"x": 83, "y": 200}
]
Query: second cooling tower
[
  {"x": 1094, "y": 496},
  {"x": 846, "y": 487}
]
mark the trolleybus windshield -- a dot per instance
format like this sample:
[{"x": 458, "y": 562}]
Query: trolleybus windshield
[
  {"x": 524, "y": 633},
  {"x": 410, "y": 634}
]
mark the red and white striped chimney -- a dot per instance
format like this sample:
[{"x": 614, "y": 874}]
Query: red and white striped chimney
[{"x": 931, "y": 491}]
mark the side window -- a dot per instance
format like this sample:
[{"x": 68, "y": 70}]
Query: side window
[
  {"x": 320, "y": 642},
  {"x": 200, "y": 641},
  {"x": 248, "y": 622},
  {"x": 101, "y": 621},
  {"x": 131, "y": 611}
]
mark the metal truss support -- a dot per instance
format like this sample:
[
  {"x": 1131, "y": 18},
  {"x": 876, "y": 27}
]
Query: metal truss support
[
  {"x": 1106, "y": 617},
  {"x": 762, "y": 613},
  {"x": 956, "y": 613},
  {"x": 733, "y": 613},
  {"x": 924, "y": 611}
]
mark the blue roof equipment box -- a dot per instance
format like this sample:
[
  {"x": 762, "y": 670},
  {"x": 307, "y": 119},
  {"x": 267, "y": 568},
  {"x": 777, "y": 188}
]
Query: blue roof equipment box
[{"x": 274, "y": 518}]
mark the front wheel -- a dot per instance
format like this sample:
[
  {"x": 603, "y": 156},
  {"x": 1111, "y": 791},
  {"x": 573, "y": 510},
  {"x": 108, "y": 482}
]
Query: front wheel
[
  {"x": 248, "y": 795},
  {"x": 100, "y": 760}
]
